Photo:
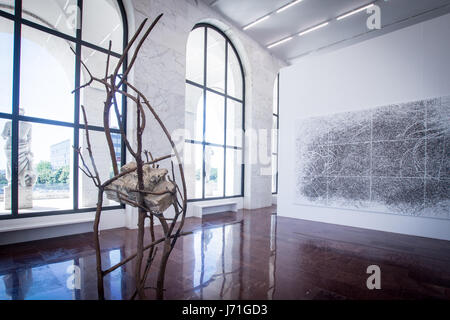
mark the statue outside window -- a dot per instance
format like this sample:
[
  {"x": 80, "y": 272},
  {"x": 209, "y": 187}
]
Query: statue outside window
[{"x": 26, "y": 175}]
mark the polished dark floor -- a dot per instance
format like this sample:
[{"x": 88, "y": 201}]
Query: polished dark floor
[{"x": 248, "y": 255}]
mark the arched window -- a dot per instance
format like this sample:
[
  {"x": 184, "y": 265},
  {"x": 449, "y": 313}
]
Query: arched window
[
  {"x": 42, "y": 46},
  {"x": 214, "y": 116}
]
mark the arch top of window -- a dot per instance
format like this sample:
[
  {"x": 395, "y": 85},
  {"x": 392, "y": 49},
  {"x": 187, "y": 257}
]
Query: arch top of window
[
  {"x": 212, "y": 61},
  {"x": 101, "y": 21}
]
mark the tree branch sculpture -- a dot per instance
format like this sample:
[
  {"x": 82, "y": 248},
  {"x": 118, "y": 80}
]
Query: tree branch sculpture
[{"x": 141, "y": 183}]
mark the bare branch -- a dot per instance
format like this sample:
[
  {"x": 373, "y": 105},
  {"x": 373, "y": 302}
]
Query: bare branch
[
  {"x": 89, "y": 147},
  {"x": 138, "y": 48},
  {"x": 154, "y": 243},
  {"x": 108, "y": 59}
]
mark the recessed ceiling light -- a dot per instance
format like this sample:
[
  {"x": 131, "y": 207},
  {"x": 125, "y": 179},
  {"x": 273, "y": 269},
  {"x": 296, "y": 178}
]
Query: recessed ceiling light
[
  {"x": 288, "y": 5},
  {"x": 279, "y": 42},
  {"x": 354, "y": 11},
  {"x": 313, "y": 28},
  {"x": 256, "y": 22}
]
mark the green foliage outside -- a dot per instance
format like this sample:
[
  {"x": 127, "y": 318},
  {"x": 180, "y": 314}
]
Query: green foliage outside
[
  {"x": 3, "y": 180},
  {"x": 47, "y": 175},
  {"x": 212, "y": 176}
]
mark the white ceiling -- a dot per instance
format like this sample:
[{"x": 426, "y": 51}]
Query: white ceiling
[{"x": 395, "y": 14}]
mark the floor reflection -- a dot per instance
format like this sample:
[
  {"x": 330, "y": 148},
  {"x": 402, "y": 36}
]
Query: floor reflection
[
  {"x": 37, "y": 283},
  {"x": 17, "y": 284},
  {"x": 216, "y": 272},
  {"x": 248, "y": 255},
  {"x": 216, "y": 275},
  {"x": 273, "y": 257}
]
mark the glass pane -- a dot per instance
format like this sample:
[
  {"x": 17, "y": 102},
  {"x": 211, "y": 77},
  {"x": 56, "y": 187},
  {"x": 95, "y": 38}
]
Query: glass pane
[
  {"x": 215, "y": 61},
  {"x": 234, "y": 172},
  {"x": 7, "y": 5},
  {"x": 117, "y": 142},
  {"x": 214, "y": 174},
  {"x": 6, "y": 64},
  {"x": 275, "y": 135},
  {"x": 59, "y": 15},
  {"x": 214, "y": 123},
  {"x": 195, "y": 56},
  {"x": 45, "y": 162},
  {"x": 86, "y": 188},
  {"x": 234, "y": 123},
  {"x": 274, "y": 173},
  {"x": 5, "y": 167},
  {"x": 94, "y": 96},
  {"x": 193, "y": 164},
  {"x": 275, "y": 97},
  {"x": 96, "y": 62},
  {"x": 102, "y": 22},
  {"x": 234, "y": 75},
  {"x": 47, "y": 76},
  {"x": 194, "y": 113}
]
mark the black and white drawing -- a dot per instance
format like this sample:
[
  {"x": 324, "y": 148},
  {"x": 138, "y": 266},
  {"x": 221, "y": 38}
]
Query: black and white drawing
[{"x": 392, "y": 159}]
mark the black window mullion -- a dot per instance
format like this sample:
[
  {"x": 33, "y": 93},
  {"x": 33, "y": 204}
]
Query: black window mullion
[
  {"x": 243, "y": 123},
  {"x": 46, "y": 121},
  {"x": 15, "y": 112},
  {"x": 225, "y": 120},
  {"x": 124, "y": 98},
  {"x": 195, "y": 84},
  {"x": 67, "y": 37},
  {"x": 204, "y": 111},
  {"x": 7, "y": 15},
  {"x": 278, "y": 124},
  {"x": 278, "y": 127},
  {"x": 76, "y": 134}
]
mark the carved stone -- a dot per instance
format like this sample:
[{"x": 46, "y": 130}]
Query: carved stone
[{"x": 155, "y": 181}]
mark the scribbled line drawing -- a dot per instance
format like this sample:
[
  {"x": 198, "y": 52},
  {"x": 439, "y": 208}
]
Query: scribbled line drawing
[{"x": 392, "y": 159}]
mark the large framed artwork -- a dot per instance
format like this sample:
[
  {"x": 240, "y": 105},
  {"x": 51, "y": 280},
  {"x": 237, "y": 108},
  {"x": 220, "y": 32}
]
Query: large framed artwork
[{"x": 391, "y": 159}]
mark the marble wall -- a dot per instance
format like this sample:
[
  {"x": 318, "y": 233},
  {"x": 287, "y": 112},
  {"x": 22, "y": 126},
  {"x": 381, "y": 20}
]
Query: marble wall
[{"x": 160, "y": 74}]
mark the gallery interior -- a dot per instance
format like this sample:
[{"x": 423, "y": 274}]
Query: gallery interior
[{"x": 224, "y": 149}]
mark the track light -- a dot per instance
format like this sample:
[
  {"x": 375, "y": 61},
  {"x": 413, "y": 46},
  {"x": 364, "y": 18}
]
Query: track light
[
  {"x": 288, "y": 5},
  {"x": 256, "y": 22},
  {"x": 354, "y": 11},
  {"x": 279, "y": 42},
  {"x": 313, "y": 28}
]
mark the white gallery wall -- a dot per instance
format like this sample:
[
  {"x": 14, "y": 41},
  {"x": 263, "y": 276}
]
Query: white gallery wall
[{"x": 407, "y": 65}]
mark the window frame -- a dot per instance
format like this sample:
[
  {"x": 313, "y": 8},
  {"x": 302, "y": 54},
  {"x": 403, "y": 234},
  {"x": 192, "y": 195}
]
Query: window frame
[
  {"x": 277, "y": 116},
  {"x": 205, "y": 89},
  {"x": 77, "y": 125}
]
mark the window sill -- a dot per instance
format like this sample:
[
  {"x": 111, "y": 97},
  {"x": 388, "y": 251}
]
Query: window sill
[{"x": 45, "y": 222}]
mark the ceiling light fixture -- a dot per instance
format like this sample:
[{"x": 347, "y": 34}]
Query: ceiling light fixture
[
  {"x": 256, "y": 22},
  {"x": 288, "y": 5},
  {"x": 354, "y": 11},
  {"x": 313, "y": 28},
  {"x": 279, "y": 42}
]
